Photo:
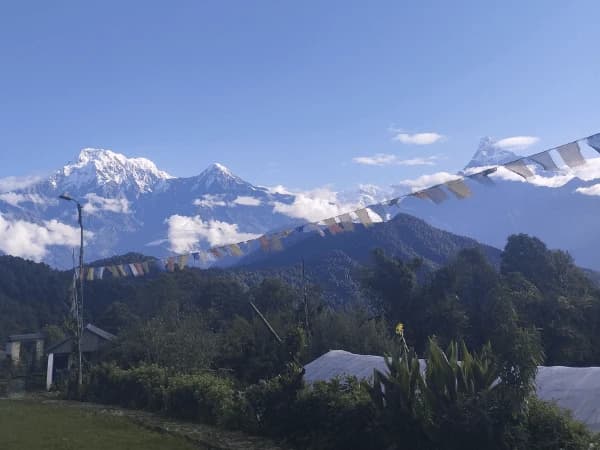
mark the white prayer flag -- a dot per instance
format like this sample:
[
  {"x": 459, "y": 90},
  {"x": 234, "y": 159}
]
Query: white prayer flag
[
  {"x": 571, "y": 154},
  {"x": 520, "y": 168},
  {"x": 363, "y": 216},
  {"x": 545, "y": 160},
  {"x": 346, "y": 222},
  {"x": 435, "y": 194}
]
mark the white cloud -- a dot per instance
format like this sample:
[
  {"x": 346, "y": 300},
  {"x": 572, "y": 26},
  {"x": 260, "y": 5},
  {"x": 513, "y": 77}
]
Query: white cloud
[
  {"x": 417, "y": 138},
  {"x": 425, "y": 181},
  {"x": 591, "y": 190},
  {"x": 247, "y": 201},
  {"x": 14, "y": 183},
  {"x": 185, "y": 233},
  {"x": 516, "y": 142},
  {"x": 96, "y": 203},
  {"x": 385, "y": 159},
  {"x": 315, "y": 205},
  {"x": 209, "y": 201},
  {"x": 14, "y": 199},
  {"x": 30, "y": 240}
]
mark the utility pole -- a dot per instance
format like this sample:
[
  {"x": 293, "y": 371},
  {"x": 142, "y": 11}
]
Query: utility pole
[{"x": 79, "y": 300}]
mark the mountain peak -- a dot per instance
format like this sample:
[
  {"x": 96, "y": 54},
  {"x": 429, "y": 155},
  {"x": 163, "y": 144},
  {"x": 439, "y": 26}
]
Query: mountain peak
[
  {"x": 217, "y": 177},
  {"x": 109, "y": 170},
  {"x": 489, "y": 153}
]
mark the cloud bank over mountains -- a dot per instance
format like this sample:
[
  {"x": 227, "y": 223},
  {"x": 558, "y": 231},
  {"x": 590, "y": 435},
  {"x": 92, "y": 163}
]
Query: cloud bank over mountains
[{"x": 131, "y": 205}]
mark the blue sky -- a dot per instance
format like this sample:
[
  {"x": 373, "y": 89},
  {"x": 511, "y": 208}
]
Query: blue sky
[{"x": 290, "y": 92}]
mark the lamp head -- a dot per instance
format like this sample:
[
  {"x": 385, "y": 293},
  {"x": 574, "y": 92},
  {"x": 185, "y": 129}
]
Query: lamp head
[{"x": 66, "y": 196}]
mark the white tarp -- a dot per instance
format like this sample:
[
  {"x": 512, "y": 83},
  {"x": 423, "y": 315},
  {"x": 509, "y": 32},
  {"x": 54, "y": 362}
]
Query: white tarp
[{"x": 573, "y": 388}]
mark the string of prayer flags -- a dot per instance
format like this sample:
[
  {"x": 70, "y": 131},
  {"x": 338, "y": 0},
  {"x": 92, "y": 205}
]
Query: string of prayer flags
[
  {"x": 545, "y": 160},
  {"x": 520, "y": 168},
  {"x": 459, "y": 188},
  {"x": 594, "y": 142},
  {"x": 571, "y": 154},
  {"x": 363, "y": 217}
]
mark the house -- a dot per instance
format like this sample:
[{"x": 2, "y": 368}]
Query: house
[
  {"x": 17, "y": 343},
  {"x": 60, "y": 355},
  {"x": 574, "y": 388}
]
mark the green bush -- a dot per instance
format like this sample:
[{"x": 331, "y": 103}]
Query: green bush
[
  {"x": 338, "y": 414},
  {"x": 202, "y": 397},
  {"x": 141, "y": 387},
  {"x": 549, "y": 427}
]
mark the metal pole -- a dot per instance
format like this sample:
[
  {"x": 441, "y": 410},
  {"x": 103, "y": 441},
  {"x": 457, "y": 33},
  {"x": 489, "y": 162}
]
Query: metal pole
[
  {"x": 78, "y": 302},
  {"x": 80, "y": 308}
]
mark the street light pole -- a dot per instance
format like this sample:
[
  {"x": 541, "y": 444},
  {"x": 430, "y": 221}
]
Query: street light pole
[{"x": 79, "y": 306}]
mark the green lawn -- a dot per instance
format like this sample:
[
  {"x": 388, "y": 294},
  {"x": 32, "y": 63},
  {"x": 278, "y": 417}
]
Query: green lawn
[{"x": 27, "y": 425}]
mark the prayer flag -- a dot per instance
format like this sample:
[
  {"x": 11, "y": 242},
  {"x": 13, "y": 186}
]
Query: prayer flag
[
  {"x": 215, "y": 252},
  {"x": 146, "y": 267},
  {"x": 264, "y": 243},
  {"x": 436, "y": 194},
  {"x": 346, "y": 222},
  {"x": 134, "y": 270},
  {"x": 332, "y": 226},
  {"x": 520, "y": 168},
  {"x": 121, "y": 270},
  {"x": 90, "y": 273},
  {"x": 171, "y": 264},
  {"x": 483, "y": 176},
  {"x": 594, "y": 142},
  {"x": 459, "y": 188},
  {"x": 545, "y": 160},
  {"x": 363, "y": 217},
  {"x": 276, "y": 243},
  {"x": 182, "y": 261},
  {"x": 235, "y": 250},
  {"x": 140, "y": 268},
  {"x": 98, "y": 273},
  {"x": 114, "y": 271},
  {"x": 571, "y": 154}
]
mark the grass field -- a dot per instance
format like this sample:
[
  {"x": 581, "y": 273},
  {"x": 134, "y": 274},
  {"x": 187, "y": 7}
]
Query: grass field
[{"x": 28, "y": 425}]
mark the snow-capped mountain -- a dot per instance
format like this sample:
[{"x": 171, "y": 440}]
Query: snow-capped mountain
[
  {"x": 131, "y": 205},
  {"x": 489, "y": 154},
  {"x": 561, "y": 208}
]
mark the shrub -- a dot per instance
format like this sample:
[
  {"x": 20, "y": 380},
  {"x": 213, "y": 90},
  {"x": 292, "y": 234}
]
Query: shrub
[
  {"x": 141, "y": 387},
  {"x": 550, "y": 427},
  {"x": 338, "y": 414},
  {"x": 201, "y": 397}
]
